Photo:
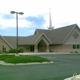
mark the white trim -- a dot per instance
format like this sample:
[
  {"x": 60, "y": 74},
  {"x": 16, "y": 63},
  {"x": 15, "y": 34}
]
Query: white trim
[
  {"x": 40, "y": 36},
  {"x": 68, "y": 34},
  {"x": 6, "y": 41},
  {"x": 47, "y": 38}
]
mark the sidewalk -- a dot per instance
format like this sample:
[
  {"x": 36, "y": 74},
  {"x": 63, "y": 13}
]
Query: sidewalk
[
  {"x": 40, "y": 53},
  {"x": 32, "y": 53}
]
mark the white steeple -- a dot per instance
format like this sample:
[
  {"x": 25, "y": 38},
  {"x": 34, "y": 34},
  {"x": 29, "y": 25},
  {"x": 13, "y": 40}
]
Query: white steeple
[{"x": 50, "y": 21}]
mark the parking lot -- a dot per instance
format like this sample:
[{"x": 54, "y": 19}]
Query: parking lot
[{"x": 64, "y": 66}]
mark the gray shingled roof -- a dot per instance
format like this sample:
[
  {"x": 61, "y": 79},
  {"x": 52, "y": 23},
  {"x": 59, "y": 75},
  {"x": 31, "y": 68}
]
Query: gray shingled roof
[
  {"x": 21, "y": 40},
  {"x": 28, "y": 40},
  {"x": 56, "y": 36}
]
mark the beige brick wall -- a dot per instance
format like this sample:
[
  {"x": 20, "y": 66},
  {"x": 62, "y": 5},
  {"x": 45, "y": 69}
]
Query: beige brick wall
[
  {"x": 67, "y": 46},
  {"x": 56, "y": 48},
  {"x": 61, "y": 48}
]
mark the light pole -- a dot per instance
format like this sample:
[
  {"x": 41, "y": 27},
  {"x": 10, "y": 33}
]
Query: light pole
[{"x": 21, "y": 13}]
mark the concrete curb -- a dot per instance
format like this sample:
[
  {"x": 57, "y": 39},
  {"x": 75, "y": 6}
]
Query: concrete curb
[{"x": 4, "y": 63}]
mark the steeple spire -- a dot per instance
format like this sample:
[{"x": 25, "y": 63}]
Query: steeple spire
[{"x": 50, "y": 21}]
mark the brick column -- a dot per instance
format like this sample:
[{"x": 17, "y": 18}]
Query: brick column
[
  {"x": 35, "y": 48},
  {"x": 47, "y": 48}
]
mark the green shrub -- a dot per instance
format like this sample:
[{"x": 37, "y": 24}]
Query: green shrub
[
  {"x": 0, "y": 51},
  {"x": 71, "y": 52},
  {"x": 20, "y": 50},
  {"x": 51, "y": 51},
  {"x": 14, "y": 51},
  {"x": 76, "y": 51}
]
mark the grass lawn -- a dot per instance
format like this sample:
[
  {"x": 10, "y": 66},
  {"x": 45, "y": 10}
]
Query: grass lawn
[{"x": 22, "y": 59}]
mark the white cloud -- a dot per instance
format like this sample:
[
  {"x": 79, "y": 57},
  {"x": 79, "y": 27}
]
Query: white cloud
[
  {"x": 63, "y": 12},
  {"x": 12, "y": 23}
]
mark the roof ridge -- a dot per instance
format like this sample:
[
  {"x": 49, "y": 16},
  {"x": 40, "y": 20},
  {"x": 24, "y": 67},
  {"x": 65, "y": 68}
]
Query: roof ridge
[
  {"x": 66, "y": 26},
  {"x": 45, "y": 36}
]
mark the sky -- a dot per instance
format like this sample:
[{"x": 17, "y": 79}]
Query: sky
[{"x": 36, "y": 15}]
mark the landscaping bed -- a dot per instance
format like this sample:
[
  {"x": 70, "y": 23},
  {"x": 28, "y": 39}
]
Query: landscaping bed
[{"x": 22, "y": 59}]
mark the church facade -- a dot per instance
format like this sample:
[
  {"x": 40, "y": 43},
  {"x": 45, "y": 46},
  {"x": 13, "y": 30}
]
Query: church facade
[{"x": 64, "y": 39}]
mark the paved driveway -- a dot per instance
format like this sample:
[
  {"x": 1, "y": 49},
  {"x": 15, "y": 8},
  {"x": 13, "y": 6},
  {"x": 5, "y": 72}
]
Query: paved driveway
[{"x": 63, "y": 66}]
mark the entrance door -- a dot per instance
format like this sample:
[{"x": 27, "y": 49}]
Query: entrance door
[{"x": 42, "y": 46}]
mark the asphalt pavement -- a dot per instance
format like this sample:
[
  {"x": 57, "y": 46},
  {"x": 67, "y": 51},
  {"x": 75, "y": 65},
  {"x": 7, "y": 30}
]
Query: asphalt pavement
[{"x": 64, "y": 65}]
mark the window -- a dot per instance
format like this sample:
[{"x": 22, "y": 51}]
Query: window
[
  {"x": 27, "y": 47},
  {"x": 78, "y": 46},
  {"x": 4, "y": 49},
  {"x": 74, "y": 46}
]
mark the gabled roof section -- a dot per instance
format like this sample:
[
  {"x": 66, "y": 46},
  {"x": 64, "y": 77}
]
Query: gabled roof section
[
  {"x": 45, "y": 37},
  {"x": 11, "y": 40},
  {"x": 75, "y": 25},
  {"x": 45, "y": 32},
  {"x": 5, "y": 41},
  {"x": 57, "y": 36},
  {"x": 28, "y": 40},
  {"x": 40, "y": 31},
  {"x": 21, "y": 40}
]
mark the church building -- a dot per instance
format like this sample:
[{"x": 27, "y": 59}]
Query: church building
[{"x": 64, "y": 39}]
